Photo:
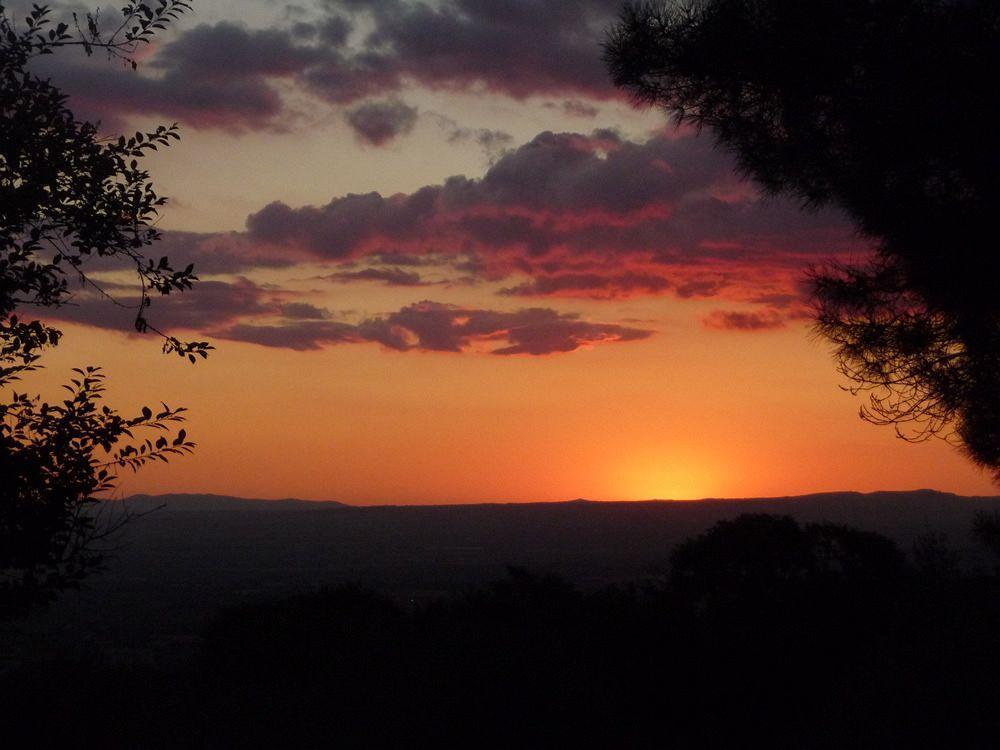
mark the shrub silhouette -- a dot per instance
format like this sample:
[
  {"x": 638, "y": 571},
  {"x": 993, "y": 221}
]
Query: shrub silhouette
[{"x": 67, "y": 196}]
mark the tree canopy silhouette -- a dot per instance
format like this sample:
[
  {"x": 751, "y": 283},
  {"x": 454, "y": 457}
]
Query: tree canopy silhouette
[
  {"x": 884, "y": 108},
  {"x": 68, "y": 195},
  {"x": 765, "y": 557}
]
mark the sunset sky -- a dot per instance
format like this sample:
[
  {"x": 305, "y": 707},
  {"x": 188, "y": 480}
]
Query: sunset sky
[{"x": 443, "y": 260}]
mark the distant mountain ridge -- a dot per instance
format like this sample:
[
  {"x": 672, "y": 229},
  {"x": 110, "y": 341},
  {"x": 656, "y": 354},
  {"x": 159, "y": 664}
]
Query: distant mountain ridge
[
  {"x": 210, "y": 502},
  {"x": 924, "y": 498}
]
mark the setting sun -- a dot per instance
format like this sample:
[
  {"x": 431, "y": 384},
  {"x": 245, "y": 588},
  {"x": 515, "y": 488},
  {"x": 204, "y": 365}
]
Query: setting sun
[{"x": 671, "y": 477}]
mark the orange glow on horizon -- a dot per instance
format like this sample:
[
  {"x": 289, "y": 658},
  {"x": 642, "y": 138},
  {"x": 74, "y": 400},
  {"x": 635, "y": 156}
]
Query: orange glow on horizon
[{"x": 684, "y": 415}]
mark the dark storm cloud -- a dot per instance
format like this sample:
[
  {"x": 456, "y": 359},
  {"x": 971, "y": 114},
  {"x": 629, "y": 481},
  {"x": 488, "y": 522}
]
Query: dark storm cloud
[
  {"x": 437, "y": 327},
  {"x": 378, "y": 123}
]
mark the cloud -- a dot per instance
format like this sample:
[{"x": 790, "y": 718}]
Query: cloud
[
  {"x": 587, "y": 215},
  {"x": 575, "y": 108},
  {"x": 225, "y": 75},
  {"x": 701, "y": 287},
  {"x": 341, "y": 228},
  {"x": 436, "y": 327},
  {"x": 212, "y": 76},
  {"x": 295, "y": 335},
  {"x": 389, "y": 276},
  {"x": 493, "y": 142},
  {"x": 543, "y": 193},
  {"x": 304, "y": 311},
  {"x": 403, "y": 259},
  {"x": 566, "y": 214},
  {"x": 210, "y": 303},
  {"x": 221, "y": 252},
  {"x": 735, "y": 320},
  {"x": 226, "y": 51},
  {"x": 522, "y": 48},
  {"x": 378, "y": 123},
  {"x": 594, "y": 285},
  {"x": 210, "y": 253},
  {"x": 244, "y": 311},
  {"x": 567, "y": 336}
]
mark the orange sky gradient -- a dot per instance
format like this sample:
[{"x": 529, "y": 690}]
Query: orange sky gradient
[{"x": 686, "y": 415}]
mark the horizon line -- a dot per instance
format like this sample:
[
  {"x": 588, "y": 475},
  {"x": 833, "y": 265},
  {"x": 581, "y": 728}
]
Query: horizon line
[{"x": 576, "y": 500}]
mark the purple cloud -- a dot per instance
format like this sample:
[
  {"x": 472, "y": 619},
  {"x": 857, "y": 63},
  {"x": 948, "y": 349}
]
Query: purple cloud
[
  {"x": 735, "y": 320},
  {"x": 595, "y": 285},
  {"x": 388, "y": 276},
  {"x": 303, "y": 311},
  {"x": 437, "y": 327},
  {"x": 209, "y": 303},
  {"x": 378, "y": 123},
  {"x": 225, "y": 75},
  {"x": 587, "y": 214},
  {"x": 577, "y": 108}
]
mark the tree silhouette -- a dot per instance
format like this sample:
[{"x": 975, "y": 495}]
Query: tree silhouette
[
  {"x": 986, "y": 531},
  {"x": 758, "y": 555},
  {"x": 885, "y": 109},
  {"x": 67, "y": 196}
]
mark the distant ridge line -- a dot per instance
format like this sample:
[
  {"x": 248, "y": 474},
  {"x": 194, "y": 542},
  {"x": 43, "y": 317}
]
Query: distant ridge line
[{"x": 216, "y": 502}]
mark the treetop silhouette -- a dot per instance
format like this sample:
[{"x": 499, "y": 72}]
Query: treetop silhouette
[
  {"x": 68, "y": 195},
  {"x": 884, "y": 108}
]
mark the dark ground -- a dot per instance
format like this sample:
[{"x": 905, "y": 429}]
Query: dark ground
[
  {"x": 232, "y": 623},
  {"x": 179, "y": 566}
]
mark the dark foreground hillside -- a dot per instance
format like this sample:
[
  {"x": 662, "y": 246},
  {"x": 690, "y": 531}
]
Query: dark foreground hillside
[
  {"x": 759, "y": 632},
  {"x": 178, "y": 566}
]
